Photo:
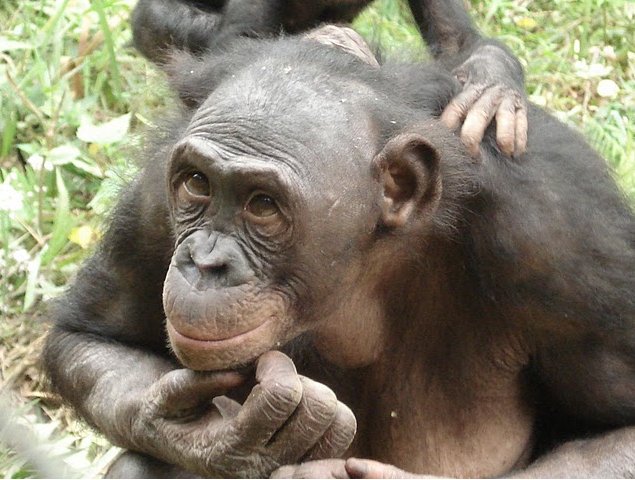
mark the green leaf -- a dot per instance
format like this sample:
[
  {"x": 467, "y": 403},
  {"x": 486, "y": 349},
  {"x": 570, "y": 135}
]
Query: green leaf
[
  {"x": 31, "y": 283},
  {"x": 89, "y": 168},
  {"x": 7, "y": 45},
  {"x": 63, "y": 155},
  {"x": 110, "y": 132},
  {"x": 63, "y": 224}
]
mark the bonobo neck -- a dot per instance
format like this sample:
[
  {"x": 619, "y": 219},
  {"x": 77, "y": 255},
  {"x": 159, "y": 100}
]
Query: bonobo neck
[
  {"x": 438, "y": 318},
  {"x": 433, "y": 301},
  {"x": 449, "y": 376}
]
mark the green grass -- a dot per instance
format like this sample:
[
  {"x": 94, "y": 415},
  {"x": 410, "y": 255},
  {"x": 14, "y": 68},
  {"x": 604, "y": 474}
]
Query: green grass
[{"x": 73, "y": 95}]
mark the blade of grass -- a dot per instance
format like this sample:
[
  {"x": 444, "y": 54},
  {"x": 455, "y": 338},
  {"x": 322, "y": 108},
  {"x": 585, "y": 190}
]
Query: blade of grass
[
  {"x": 30, "y": 292},
  {"x": 63, "y": 223},
  {"x": 9, "y": 129},
  {"x": 49, "y": 27},
  {"x": 98, "y": 6}
]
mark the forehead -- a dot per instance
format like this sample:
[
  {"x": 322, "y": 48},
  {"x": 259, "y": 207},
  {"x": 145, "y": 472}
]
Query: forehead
[{"x": 287, "y": 112}]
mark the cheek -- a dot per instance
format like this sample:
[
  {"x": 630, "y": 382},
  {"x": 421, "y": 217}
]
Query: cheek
[{"x": 220, "y": 328}]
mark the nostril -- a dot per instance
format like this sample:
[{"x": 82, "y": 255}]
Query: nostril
[
  {"x": 213, "y": 263},
  {"x": 215, "y": 269}
]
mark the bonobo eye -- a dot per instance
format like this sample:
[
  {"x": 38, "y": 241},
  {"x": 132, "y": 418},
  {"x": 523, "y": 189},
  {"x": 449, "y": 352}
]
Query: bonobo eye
[
  {"x": 194, "y": 186},
  {"x": 262, "y": 206}
]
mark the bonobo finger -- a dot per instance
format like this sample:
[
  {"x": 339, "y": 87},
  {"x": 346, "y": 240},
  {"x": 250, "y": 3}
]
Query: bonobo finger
[
  {"x": 359, "y": 468},
  {"x": 457, "y": 109},
  {"x": 332, "y": 468},
  {"x": 478, "y": 118},
  {"x": 274, "y": 364},
  {"x": 506, "y": 126},
  {"x": 227, "y": 407},
  {"x": 521, "y": 131},
  {"x": 184, "y": 389},
  {"x": 338, "y": 437},
  {"x": 311, "y": 419},
  {"x": 271, "y": 402}
]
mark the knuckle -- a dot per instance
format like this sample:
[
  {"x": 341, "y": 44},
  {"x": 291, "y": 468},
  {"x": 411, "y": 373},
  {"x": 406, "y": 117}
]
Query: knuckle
[
  {"x": 454, "y": 109},
  {"x": 482, "y": 114},
  {"x": 462, "y": 105},
  {"x": 507, "y": 107},
  {"x": 320, "y": 401},
  {"x": 469, "y": 134},
  {"x": 469, "y": 142},
  {"x": 498, "y": 90},
  {"x": 477, "y": 89},
  {"x": 150, "y": 408},
  {"x": 345, "y": 420},
  {"x": 283, "y": 393},
  {"x": 504, "y": 136}
]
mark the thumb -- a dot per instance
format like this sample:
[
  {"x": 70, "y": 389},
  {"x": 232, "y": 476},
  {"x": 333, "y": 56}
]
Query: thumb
[{"x": 184, "y": 389}]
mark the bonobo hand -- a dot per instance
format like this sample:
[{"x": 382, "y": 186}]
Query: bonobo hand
[
  {"x": 493, "y": 87},
  {"x": 286, "y": 418},
  {"x": 337, "y": 468}
]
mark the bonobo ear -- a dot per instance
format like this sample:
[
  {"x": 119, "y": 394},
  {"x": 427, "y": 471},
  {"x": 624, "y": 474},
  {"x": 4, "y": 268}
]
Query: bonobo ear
[
  {"x": 408, "y": 171},
  {"x": 343, "y": 38}
]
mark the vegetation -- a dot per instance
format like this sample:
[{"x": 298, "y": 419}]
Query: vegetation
[{"x": 74, "y": 95}]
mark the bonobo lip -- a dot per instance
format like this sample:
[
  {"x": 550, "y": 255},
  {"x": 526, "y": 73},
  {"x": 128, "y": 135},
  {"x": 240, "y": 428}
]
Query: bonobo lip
[{"x": 220, "y": 343}]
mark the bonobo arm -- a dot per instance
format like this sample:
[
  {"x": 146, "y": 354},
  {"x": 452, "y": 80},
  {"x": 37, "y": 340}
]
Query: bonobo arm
[
  {"x": 249, "y": 17},
  {"x": 608, "y": 456},
  {"x": 492, "y": 78},
  {"x": 160, "y": 26}
]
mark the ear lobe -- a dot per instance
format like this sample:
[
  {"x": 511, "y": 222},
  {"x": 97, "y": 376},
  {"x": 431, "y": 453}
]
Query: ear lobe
[{"x": 408, "y": 171}]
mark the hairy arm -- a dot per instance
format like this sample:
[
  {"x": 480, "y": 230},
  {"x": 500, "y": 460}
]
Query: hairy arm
[{"x": 159, "y": 26}]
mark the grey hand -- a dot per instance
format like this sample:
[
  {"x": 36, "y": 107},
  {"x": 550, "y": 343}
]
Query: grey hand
[{"x": 492, "y": 88}]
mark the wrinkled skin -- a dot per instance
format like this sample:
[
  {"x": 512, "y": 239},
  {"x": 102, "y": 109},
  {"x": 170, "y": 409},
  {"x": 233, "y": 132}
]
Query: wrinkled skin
[
  {"x": 581, "y": 459},
  {"x": 490, "y": 92},
  {"x": 492, "y": 78},
  {"x": 304, "y": 416},
  {"x": 471, "y": 316}
]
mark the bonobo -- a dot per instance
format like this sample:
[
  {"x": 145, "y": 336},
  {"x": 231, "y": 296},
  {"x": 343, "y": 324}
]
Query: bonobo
[
  {"x": 471, "y": 315},
  {"x": 492, "y": 78}
]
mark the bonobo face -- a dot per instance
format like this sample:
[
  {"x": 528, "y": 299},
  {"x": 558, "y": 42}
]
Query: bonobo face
[{"x": 272, "y": 201}]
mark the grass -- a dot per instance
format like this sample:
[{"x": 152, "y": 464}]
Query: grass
[{"x": 73, "y": 94}]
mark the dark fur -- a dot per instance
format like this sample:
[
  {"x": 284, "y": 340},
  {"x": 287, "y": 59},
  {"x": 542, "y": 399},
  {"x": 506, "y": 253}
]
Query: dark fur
[
  {"x": 543, "y": 246},
  {"x": 160, "y": 26}
]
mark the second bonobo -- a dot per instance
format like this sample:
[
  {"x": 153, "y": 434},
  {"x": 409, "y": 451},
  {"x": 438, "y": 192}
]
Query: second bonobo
[{"x": 492, "y": 78}]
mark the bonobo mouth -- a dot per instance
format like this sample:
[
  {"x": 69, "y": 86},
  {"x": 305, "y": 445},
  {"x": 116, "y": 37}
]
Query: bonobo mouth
[
  {"x": 220, "y": 328},
  {"x": 228, "y": 352},
  {"x": 180, "y": 339}
]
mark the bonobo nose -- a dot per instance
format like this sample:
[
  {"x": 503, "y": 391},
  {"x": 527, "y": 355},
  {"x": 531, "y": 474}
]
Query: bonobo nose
[{"x": 213, "y": 261}]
